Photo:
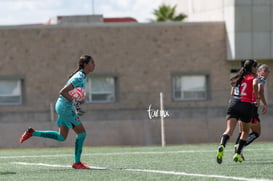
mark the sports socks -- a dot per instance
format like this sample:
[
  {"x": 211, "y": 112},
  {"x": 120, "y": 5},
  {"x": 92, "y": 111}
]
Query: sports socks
[
  {"x": 57, "y": 136},
  {"x": 251, "y": 137},
  {"x": 49, "y": 134},
  {"x": 224, "y": 139},
  {"x": 78, "y": 146},
  {"x": 241, "y": 146}
]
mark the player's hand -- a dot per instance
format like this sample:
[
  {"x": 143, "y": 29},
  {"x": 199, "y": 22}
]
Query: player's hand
[
  {"x": 257, "y": 103},
  {"x": 78, "y": 102},
  {"x": 80, "y": 112},
  {"x": 264, "y": 109},
  {"x": 78, "y": 109}
]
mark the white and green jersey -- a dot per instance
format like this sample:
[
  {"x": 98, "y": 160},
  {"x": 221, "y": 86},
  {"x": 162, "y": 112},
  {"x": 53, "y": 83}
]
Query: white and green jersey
[
  {"x": 77, "y": 80},
  {"x": 65, "y": 109}
]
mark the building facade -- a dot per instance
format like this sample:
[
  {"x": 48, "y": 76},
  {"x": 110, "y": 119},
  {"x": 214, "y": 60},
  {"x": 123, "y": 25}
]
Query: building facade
[
  {"x": 134, "y": 63},
  {"x": 249, "y": 25}
]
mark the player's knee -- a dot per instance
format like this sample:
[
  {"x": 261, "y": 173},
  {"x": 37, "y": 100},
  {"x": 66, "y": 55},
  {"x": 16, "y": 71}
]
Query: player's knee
[
  {"x": 81, "y": 135},
  {"x": 228, "y": 132}
]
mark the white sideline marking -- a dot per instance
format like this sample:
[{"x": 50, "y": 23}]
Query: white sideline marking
[
  {"x": 121, "y": 153},
  {"x": 196, "y": 175},
  {"x": 51, "y": 165},
  {"x": 109, "y": 154},
  {"x": 150, "y": 171},
  {"x": 38, "y": 156},
  {"x": 40, "y": 164}
]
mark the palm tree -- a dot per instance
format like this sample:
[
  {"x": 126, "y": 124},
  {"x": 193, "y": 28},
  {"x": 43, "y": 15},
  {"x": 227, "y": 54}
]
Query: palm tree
[{"x": 167, "y": 13}]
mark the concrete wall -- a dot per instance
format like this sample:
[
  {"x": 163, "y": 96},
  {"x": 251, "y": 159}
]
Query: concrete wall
[
  {"x": 143, "y": 56},
  {"x": 184, "y": 126}
]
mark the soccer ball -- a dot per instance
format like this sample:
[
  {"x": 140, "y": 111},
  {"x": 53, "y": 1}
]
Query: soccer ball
[{"x": 78, "y": 93}]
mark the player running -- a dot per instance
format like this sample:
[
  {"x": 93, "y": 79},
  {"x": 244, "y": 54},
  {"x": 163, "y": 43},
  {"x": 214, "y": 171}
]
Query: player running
[
  {"x": 239, "y": 107},
  {"x": 67, "y": 117},
  {"x": 263, "y": 72}
]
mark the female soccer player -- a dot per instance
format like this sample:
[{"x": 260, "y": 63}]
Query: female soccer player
[
  {"x": 262, "y": 74},
  {"x": 239, "y": 107},
  {"x": 67, "y": 117}
]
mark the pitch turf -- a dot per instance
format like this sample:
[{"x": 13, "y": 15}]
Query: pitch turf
[{"x": 183, "y": 162}]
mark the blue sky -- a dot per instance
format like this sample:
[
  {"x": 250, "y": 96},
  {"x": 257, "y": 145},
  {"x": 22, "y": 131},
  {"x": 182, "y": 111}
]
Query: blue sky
[{"x": 14, "y": 12}]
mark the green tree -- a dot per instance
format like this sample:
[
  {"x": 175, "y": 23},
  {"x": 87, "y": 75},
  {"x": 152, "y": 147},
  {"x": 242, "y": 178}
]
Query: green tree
[{"x": 167, "y": 13}]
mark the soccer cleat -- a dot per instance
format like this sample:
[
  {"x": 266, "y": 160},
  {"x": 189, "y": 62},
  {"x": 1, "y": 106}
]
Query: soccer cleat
[
  {"x": 26, "y": 135},
  {"x": 220, "y": 154},
  {"x": 80, "y": 165},
  {"x": 237, "y": 158}
]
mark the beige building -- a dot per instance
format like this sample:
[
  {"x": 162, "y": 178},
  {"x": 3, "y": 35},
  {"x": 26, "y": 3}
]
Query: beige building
[{"x": 134, "y": 63}]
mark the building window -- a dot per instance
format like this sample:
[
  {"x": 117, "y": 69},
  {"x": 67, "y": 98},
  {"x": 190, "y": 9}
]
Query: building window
[
  {"x": 189, "y": 87},
  {"x": 10, "y": 92},
  {"x": 101, "y": 89}
]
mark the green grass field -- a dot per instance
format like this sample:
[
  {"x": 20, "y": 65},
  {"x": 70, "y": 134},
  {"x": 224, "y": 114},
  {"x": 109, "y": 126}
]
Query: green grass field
[{"x": 183, "y": 162}]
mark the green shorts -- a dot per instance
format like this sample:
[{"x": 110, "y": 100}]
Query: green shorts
[{"x": 66, "y": 115}]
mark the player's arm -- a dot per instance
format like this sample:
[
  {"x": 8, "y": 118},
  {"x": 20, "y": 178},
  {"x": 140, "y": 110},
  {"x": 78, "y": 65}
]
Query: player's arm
[
  {"x": 256, "y": 91},
  {"x": 232, "y": 91},
  {"x": 65, "y": 92},
  {"x": 261, "y": 93}
]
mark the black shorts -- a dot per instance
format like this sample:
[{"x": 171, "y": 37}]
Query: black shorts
[
  {"x": 239, "y": 110},
  {"x": 255, "y": 115}
]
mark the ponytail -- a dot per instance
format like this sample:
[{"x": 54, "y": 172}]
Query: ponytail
[
  {"x": 235, "y": 80},
  {"x": 245, "y": 69},
  {"x": 85, "y": 59},
  {"x": 75, "y": 71}
]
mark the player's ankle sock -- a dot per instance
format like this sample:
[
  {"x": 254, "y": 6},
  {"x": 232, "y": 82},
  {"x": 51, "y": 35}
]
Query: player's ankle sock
[
  {"x": 251, "y": 137},
  {"x": 224, "y": 139},
  {"x": 78, "y": 146},
  {"x": 241, "y": 146},
  {"x": 49, "y": 134}
]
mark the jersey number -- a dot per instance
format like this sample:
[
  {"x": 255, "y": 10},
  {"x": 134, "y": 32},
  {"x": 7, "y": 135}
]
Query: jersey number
[
  {"x": 237, "y": 90},
  {"x": 244, "y": 85}
]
